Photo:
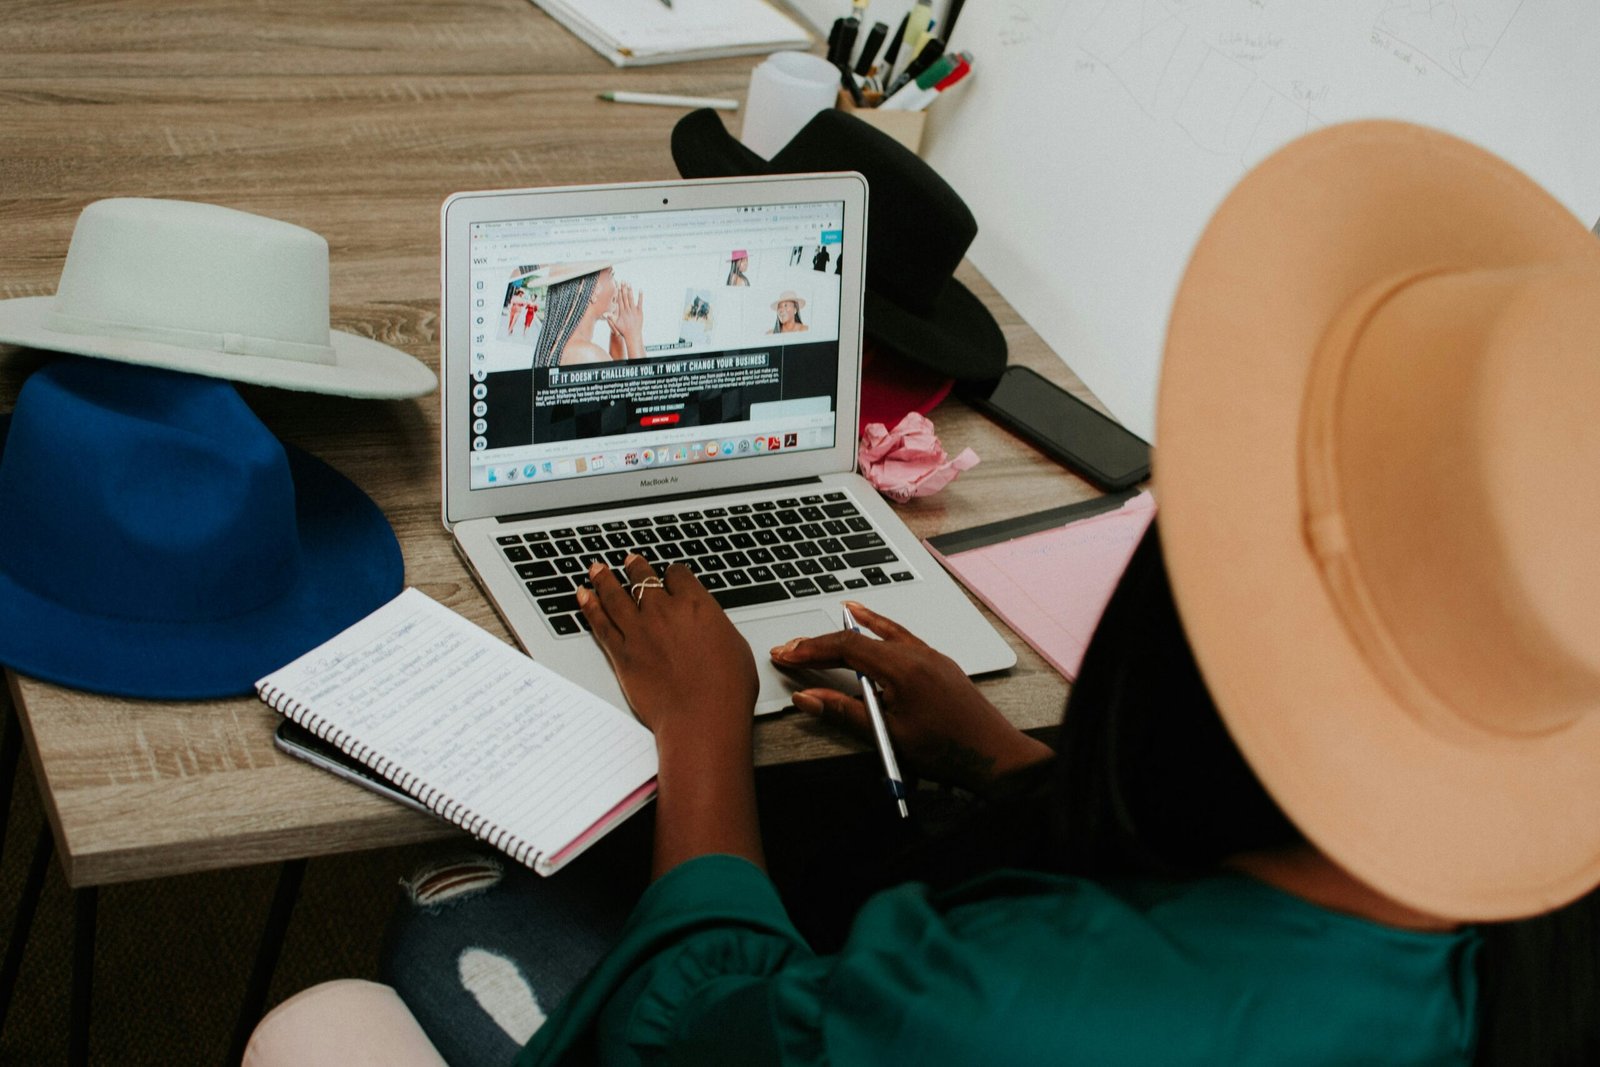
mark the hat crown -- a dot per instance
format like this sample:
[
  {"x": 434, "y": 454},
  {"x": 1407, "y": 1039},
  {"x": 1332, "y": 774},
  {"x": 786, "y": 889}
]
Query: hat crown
[
  {"x": 143, "y": 494},
  {"x": 1465, "y": 569},
  {"x": 918, "y": 229},
  {"x": 196, "y": 276}
]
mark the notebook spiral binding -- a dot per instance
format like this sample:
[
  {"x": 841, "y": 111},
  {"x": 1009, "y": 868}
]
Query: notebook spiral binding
[{"x": 436, "y": 802}]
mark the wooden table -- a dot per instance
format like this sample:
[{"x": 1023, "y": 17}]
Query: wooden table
[{"x": 354, "y": 120}]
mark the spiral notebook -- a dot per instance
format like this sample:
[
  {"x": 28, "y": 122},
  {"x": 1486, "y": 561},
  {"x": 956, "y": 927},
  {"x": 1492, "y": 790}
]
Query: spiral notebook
[{"x": 486, "y": 738}]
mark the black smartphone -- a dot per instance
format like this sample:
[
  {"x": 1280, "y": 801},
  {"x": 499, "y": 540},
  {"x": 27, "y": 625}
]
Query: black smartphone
[
  {"x": 1062, "y": 426},
  {"x": 301, "y": 743}
]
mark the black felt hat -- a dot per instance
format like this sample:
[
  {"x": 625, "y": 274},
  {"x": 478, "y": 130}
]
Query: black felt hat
[{"x": 917, "y": 231}]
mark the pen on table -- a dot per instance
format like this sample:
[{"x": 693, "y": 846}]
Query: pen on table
[
  {"x": 869, "y": 50},
  {"x": 668, "y": 3},
  {"x": 834, "y": 31},
  {"x": 667, "y": 100},
  {"x": 880, "y": 729},
  {"x": 932, "y": 49}
]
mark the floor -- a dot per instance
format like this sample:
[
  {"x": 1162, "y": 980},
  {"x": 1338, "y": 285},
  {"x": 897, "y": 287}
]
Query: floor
[{"x": 173, "y": 956}]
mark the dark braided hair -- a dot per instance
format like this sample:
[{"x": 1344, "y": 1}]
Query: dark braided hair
[{"x": 564, "y": 305}]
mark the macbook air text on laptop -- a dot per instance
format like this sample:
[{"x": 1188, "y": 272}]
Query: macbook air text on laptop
[{"x": 673, "y": 369}]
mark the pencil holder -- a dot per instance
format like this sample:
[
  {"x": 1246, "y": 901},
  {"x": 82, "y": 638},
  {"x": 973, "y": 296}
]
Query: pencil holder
[{"x": 903, "y": 126}]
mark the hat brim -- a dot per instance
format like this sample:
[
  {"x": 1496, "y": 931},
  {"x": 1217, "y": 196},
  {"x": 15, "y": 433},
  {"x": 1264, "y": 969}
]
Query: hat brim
[
  {"x": 702, "y": 147},
  {"x": 1473, "y": 825},
  {"x": 959, "y": 339},
  {"x": 362, "y": 368},
  {"x": 350, "y": 566}
]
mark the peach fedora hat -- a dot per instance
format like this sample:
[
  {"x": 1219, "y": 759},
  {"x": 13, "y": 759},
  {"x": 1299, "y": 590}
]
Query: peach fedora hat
[{"x": 1379, "y": 427}]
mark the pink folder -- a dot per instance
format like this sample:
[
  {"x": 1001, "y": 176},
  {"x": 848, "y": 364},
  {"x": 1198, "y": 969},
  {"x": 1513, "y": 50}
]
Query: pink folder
[{"x": 1049, "y": 575}]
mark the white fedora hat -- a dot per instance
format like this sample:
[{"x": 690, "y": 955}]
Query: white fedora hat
[{"x": 207, "y": 290}]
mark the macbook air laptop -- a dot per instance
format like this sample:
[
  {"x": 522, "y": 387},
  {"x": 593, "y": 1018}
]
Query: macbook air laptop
[{"x": 674, "y": 369}]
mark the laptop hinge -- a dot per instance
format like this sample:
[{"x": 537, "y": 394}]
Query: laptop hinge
[{"x": 618, "y": 505}]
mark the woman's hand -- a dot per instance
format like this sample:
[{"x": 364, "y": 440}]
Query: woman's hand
[
  {"x": 626, "y": 319},
  {"x": 680, "y": 662},
  {"x": 691, "y": 679},
  {"x": 943, "y": 728}
]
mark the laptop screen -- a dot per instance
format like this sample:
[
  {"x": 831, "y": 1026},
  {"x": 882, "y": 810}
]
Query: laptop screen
[{"x": 607, "y": 344}]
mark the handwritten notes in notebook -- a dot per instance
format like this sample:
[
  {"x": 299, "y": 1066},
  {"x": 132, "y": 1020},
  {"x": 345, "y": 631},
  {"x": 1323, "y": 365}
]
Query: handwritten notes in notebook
[
  {"x": 630, "y": 32},
  {"x": 484, "y": 736},
  {"x": 1050, "y": 575}
]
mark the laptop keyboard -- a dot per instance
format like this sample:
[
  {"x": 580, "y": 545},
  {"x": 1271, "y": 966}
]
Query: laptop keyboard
[{"x": 753, "y": 552}]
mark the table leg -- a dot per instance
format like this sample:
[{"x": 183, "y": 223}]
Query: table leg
[
  {"x": 10, "y": 748},
  {"x": 84, "y": 902},
  {"x": 267, "y": 952},
  {"x": 22, "y": 925}
]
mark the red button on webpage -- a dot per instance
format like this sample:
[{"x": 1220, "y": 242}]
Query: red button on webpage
[{"x": 658, "y": 420}]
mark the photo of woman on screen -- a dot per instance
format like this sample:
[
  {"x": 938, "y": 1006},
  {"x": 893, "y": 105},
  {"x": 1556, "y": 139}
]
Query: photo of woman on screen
[
  {"x": 738, "y": 266},
  {"x": 788, "y": 306},
  {"x": 578, "y": 298}
]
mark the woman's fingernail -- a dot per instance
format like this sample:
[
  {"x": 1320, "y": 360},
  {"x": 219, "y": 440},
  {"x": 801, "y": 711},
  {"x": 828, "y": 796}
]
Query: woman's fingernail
[
  {"x": 595, "y": 568},
  {"x": 780, "y": 651},
  {"x": 807, "y": 703},
  {"x": 584, "y": 597}
]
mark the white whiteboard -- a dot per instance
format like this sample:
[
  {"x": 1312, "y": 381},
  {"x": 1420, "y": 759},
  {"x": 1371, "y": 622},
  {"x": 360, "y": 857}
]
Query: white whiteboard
[{"x": 1095, "y": 137}]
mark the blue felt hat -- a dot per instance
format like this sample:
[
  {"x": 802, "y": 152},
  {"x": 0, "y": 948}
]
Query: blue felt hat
[{"x": 158, "y": 541}]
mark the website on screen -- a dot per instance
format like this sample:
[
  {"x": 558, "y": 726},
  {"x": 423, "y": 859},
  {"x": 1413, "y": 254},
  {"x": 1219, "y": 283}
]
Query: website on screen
[{"x": 603, "y": 344}]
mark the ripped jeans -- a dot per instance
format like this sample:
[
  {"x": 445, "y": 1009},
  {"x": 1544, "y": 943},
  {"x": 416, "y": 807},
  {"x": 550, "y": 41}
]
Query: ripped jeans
[{"x": 485, "y": 948}]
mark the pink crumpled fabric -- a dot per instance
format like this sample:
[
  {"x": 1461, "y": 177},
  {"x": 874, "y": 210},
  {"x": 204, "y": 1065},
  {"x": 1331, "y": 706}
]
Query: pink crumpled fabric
[{"x": 908, "y": 460}]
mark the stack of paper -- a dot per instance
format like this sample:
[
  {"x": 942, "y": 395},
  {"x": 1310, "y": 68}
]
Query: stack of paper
[
  {"x": 630, "y": 32},
  {"x": 1049, "y": 575}
]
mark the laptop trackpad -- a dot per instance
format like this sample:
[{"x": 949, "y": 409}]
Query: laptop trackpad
[{"x": 776, "y": 685}]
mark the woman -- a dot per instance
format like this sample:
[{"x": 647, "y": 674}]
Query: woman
[
  {"x": 578, "y": 299},
  {"x": 1325, "y": 789},
  {"x": 1220, "y": 910},
  {"x": 788, "y": 306},
  {"x": 517, "y": 303},
  {"x": 738, "y": 264}
]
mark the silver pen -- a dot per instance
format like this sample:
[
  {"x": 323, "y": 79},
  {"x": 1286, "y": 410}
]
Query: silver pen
[{"x": 880, "y": 729}]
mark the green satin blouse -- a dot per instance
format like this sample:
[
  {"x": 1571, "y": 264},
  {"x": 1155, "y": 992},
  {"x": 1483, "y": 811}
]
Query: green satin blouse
[{"x": 1016, "y": 968}]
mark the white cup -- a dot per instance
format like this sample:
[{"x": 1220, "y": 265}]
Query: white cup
[{"x": 786, "y": 90}]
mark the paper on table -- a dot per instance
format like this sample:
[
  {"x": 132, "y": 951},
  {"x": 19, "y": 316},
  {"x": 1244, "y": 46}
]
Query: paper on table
[
  {"x": 644, "y": 31},
  {"x": 1051, "y": 587}
]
